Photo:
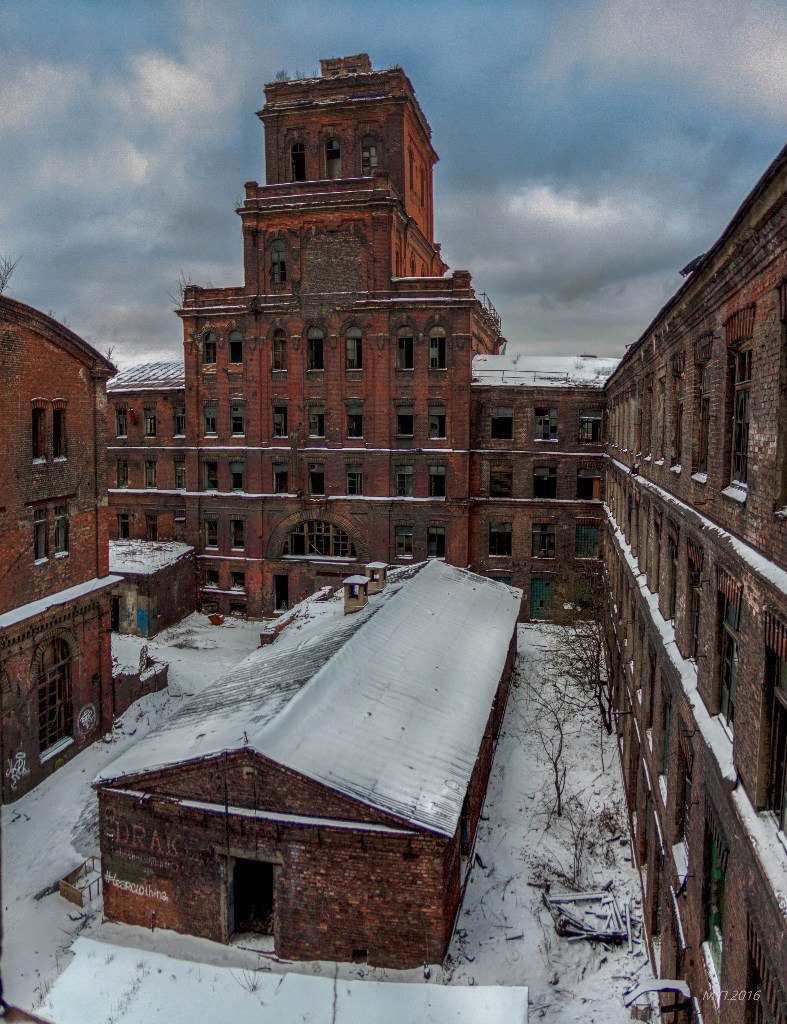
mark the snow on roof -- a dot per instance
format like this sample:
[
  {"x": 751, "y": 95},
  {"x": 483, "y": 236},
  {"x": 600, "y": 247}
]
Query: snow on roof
[
  {"x": 144, "y": 557},
  {"x": 387, "y": 706},
  {"x": 44, "y": 604},
  {"x": 149, "y": 377},
  {"x": 543, "y": 371},
  {"x": 181, "y": 992},
  {"x": 356, "y": 581}
]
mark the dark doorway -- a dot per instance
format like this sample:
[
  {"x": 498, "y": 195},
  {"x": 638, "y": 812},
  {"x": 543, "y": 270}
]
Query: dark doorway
[
  {"x": 115, "y": 614},
  {"x": 252, "y": 886},
  {"x": 281, "y": 593}
]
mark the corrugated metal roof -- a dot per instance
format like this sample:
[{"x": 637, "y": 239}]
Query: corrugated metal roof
[
  {"x": 542, "y": 371},
  {"x": 149, "y": 377},
  {"x": 387, "y": 706}
]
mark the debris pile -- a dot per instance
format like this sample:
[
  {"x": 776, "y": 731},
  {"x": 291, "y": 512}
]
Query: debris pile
[{"x": 590, "y": 915}]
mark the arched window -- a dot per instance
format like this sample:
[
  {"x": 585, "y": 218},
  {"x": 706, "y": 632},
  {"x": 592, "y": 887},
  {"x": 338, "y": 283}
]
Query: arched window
[
  {"x": 353, "y": 349},
  {"x": 55, "y": 709},
  {"x": 316, "y": 537},
  {"x": 278, "y": 263},
  {"x": 209, "y": 347},
  {"x": 437, "y": 349},
  {"x": 279, "y": 350},
  {"x": 368, "y": 156},
  {"x": 315, "y": 354},
  {"x": 333, "y": 159},
  {"x": 298, "y": 162}
]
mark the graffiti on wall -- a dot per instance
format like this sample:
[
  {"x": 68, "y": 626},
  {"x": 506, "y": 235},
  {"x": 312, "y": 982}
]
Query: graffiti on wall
[
  {"x": 87, "y": 719},
  {"x": 138, "y": 888},
  {"x": 146, "y": 846},
  {"x": 17, "y": 768}
]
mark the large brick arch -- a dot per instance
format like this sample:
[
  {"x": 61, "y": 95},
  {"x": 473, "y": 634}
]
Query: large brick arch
[{"x": 279, "y": 535}]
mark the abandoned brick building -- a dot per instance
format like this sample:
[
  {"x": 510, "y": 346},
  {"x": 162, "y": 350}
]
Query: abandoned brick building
[
  {"x": 55, "y": 663},
  {"x": 317, "y": 792},
  {"x": 328, "y": 410},
  {"x": 696, "y": 561}
]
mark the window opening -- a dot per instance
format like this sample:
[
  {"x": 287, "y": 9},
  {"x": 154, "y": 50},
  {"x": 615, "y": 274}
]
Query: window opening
[
  {"x": 55, "y": 710},
  {"x": 278, "y": 263},
  {"x": 298, "y": 161},
  {"x": 333, "y": 159},
  {"x": 500, "y": 539},
  {"x": 502, "y": 424}
]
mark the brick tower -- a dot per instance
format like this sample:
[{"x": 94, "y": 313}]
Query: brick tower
[{"x": 327, "y": 399}]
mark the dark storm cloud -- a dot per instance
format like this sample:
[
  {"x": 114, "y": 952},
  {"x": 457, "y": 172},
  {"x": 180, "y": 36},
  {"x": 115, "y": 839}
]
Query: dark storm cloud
[{"x": 588, "y": 150}]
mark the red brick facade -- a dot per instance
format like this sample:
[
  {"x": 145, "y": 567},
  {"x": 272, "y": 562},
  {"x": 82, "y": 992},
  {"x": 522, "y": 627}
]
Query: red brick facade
[
  {"x": 55, "y": 666},
  {"x": 696, "y": 563}
]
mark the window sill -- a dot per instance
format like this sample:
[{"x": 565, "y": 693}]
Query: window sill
[
  {"x": 121, "y": 437},
  {"x": 677, "y": 469},
  {"x": 41, "y": 561},
  {"x": 736, "y": 492},
  {"x": 279, "y": 374},
  {"x": 61, "y": 554},
  {"x": 55, "y": 749},
  {"x": 545, "y": 440},
  {"x": 405, "y": 558},
  {"x": 60, "y": 458},
  {"x": 406, "y": 370},
  {"x": 699, "y": 478},
  {"x": 315, "y": 373},
  {"x": 40, "y": 460},
  {"x": 280, "y": 437}
]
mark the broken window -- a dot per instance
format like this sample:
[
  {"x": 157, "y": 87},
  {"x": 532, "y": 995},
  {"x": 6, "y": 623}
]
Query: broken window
[
  {"x": 404, "y": 481},
  {"x": 706, "y": 379},
  {"x": 354, "y": 481},
  {"x": 501, "y": 483},
  {"x": 61, "y": 529},
  {"x": 315, "y": 340},
  {"x": 180, "y": 475},
  {"x": 589, "y": 426},
  {"x": 212, "y": 578},
  {"x": 40, "y": 534},
  {"x": 404, "y": 349},
  {"x": 546, "y": 425},
  {"x": 236, "y": 346},
  {"x": 59, "y": 434},
  {"x": 280, "y": 482},
  {"x": 404, "y": 542},
  {"x": 236, "y": 475},
  {"x": 586, "y": 544},
  {"x": 39, "y": 434},
  {"x": 180, "y": 420},
  {"x": 150, "y": 421},
  {"x": 437, "y": 481},
  {"x": 316, "y": 421},
  {"x": 741, "y": 413},
  {"x": 355, "y": 421},
  {"x": 368, "y": 156},
  {"x": 437, "y": 349},
  {"x": 151, "y": 526},
  {"x": 588, "y": 484},
  {"x": 437, "y": 421},
  {"x": 237, "y": 580},
  {"x": 123, "y": 528},
  {"x": 238, "y": 533},
  {"x": 150, "y": 472},
  {"x": 333, "y": 159},
  {"x": 500, "y": 539},
  {"x": 544, "y": 482},
  {"x": 209, "y": 347},
  {"x": 298, "y": 161},
  {"x": 55, "y": 710},
  {"x": 677, "y": 427},
  {"x": 714, "y": 900},
  {"x": 730, "y": 618},
  {"x": 121, "y": 421},
  {"x": 279, "y": 351},
  {"x": 237, "y": 419},
  {"x": 317, "y": 537},
  {"x": 278, "y": 263},
  {"x": 404, "y": 421},
  {"x": 280, "y": 421},
  {"x": 353, "y": 349},
  {"x": 543, "y": 540},
  {"x": 501, "y": 426},
  {"x": 776, "y": 690},
  {"x": 210, "y": 419},
  {"x": 316, "y": 478},
  {"x": 211, "y": 471},
  {"x": 121, "y": 474},
  {"x": 435, "y": 542}
]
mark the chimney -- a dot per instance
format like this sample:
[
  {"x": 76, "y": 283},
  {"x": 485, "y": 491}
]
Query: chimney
[
  {"x": 356, "y": 593},
  {"x": 377, "y": 573},
  {"x": 340, "y": 67}
]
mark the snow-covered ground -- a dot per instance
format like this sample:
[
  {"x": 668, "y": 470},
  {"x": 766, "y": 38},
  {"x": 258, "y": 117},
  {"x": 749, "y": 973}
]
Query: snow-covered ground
[{"x": 504, "y": 934}]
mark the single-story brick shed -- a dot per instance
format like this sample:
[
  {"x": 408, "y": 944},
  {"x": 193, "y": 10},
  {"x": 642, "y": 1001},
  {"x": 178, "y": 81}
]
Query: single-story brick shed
[{"x": 327, "y": 790}]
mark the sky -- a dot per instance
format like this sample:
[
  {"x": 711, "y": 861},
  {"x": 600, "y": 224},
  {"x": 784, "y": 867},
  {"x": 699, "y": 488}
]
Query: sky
[{"x": 589, "y": 149}]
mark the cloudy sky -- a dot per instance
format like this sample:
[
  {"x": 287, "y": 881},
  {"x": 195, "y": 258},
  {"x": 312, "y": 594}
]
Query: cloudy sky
[{"x": 589, "y": 148}]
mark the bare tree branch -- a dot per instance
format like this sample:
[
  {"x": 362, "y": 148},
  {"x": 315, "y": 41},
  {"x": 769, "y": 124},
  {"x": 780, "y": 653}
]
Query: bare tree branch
[{"x": 7, "y": 268}]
